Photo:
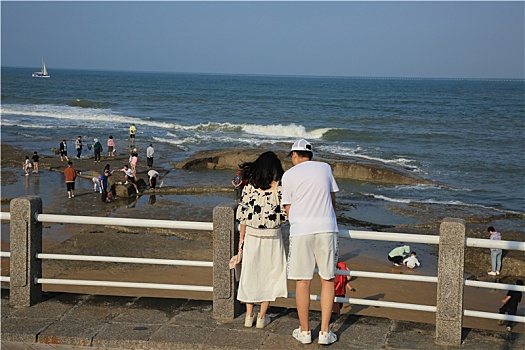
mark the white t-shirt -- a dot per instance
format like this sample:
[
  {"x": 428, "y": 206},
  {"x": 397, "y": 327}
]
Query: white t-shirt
[
  {"x": 128, "y": 172},
  {"x": 307, "y": 188},
  {"x": 152, "y": 173}
]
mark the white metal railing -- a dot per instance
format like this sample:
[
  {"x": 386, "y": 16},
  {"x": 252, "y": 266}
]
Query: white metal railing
[
  {"x": 366, "y": 235},
  {"x": 88, "y": 220},
  {"x": 146, "y": 261},
  {"x": 124, "y": 284}
]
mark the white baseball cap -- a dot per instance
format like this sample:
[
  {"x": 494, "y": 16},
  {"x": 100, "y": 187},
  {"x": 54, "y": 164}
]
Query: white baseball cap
[{"x": 301, "y": 145}]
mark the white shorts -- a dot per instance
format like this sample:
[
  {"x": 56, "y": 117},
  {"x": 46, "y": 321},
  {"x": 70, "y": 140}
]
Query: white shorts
[{"x": 309, "y": 250}]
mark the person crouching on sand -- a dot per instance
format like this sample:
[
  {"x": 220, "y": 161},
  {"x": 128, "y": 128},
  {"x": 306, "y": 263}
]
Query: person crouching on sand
[
  {"x": 411, "y": 261},
  {"x": 396, "y": 255}
]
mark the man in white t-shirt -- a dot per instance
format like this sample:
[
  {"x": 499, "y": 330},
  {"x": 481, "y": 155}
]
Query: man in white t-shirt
[
  {"x": 309, "y": 199},
  {"x": 153, "y": 175}
]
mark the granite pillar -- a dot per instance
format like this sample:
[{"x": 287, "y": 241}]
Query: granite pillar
[
  {"x": 225, "y": 305},
  {"x": 25, "y": 243},
  {"x": 449, "y": 313}
]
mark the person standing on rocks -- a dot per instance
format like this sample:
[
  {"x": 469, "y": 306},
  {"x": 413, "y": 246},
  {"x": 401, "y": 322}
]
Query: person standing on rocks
[
  {"x": 71, "y": 175},
  {"x": 111, "y": 146},
  {"x": 309, "y": 198},
  {"x": 495, "y": 253},
  {"x": 149, "y": 156},
  {"x": 27, "y": 165},
  {"x": 63, "y": 151},
  {"x": 36, "y": 157},
  {"x": 132, "y": 132},
  {"x": 97, "y": 149},
  {"x": 78, "y": 146}
]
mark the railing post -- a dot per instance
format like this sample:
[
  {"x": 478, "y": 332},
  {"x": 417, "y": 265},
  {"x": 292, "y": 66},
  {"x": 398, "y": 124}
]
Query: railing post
[
  {"x": 449, "y": 308},
  {"x": 25, "y": 243},
  {"x": 225, "y": 305}
]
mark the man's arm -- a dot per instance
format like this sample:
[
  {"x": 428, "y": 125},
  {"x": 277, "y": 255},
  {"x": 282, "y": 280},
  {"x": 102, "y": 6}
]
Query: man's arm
[
  {"x": 332, "y": 194},
  {"x": 287, "y": 209}
]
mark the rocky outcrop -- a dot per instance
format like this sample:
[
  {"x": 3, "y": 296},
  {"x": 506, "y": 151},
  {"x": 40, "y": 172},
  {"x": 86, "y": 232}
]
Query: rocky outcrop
[{"x": 353, "y": 168}]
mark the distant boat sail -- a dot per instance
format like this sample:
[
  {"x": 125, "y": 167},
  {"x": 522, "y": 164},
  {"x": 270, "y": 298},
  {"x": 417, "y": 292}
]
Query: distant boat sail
[{"x": 43, "y": 73}]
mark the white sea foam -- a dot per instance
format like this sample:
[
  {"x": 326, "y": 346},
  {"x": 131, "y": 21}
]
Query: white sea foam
[
  {"x": 358, "y": 153},
  {"x": 285, "y": 131},
  {"x": 438, "y": 202}
]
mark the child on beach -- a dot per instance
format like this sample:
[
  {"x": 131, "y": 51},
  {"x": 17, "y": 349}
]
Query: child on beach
[
  {"x": 411, "y": 261},
  {"x": 27, "y": 165},
  {"x": 36, "y": 158},
  {"x": 510, "y": 306},
  {"x": 341, "y": 283}
]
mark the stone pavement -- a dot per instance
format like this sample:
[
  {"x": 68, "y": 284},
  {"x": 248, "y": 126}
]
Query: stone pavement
[{"x": 77, "y": 321}]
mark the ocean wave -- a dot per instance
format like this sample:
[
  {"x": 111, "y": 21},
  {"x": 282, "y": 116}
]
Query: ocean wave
[
  {"x": 286, "y": 131},
  {"x": 80, "y": 115},
  {"x": 438, "y": 202},
  {"x": 357, "y": 152},
  {"x": 87, "y": 104}
]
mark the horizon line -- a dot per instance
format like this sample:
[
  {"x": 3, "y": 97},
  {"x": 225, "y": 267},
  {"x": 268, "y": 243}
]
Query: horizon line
[{"x": 280, "y": 75}]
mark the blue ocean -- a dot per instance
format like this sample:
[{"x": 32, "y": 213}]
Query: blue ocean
[{"x": 467, "y": 136}]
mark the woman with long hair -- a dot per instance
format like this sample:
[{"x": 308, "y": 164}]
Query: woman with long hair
[{"x": 260, "y": 213}]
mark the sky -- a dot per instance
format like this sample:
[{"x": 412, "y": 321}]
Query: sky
[{"x": 420, "y": 39}]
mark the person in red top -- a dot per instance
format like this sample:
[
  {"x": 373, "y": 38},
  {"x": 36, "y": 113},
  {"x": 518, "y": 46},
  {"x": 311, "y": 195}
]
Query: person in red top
[
  {"x": 341, "y": 283},
  {"x": 71, "y": 175}
]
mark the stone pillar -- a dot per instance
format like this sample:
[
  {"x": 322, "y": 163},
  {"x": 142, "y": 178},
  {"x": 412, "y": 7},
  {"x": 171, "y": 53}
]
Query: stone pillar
[
  {"x": 25, "y": 243},
  {"x": 225, "y": 304},
  {"x": 449, "y": 313}
]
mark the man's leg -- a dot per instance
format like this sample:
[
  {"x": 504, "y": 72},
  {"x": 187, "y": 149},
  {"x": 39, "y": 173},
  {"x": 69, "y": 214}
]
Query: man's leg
[
  {"x": 302, "y": 301},
  {"x": 327, "y": 303}
]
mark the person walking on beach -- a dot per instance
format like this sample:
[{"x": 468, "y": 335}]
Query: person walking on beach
[
  {"x": 495, "y": 253},
  {"x": 130, "y": 176},
  {"x": 149, "y": 156},
  {"x": 78, "y": 146},
  {"x": 111, "y": 146},
  {"x": 510, "y": 306},
  {"x": 309, "y": 191},
  {"x": 132, "y": 132},
  {"x": 260, "y": 213},
  {"x": 36, "y": 157},
  {"x": 97, "y": 149},
  {"x": 27, "y": 165},
  {"x": 63, "y": 151},
  {"x": 411, "y": 262},
  {"x": 70, "y": 175},
  {"x": 397, "y": 255}
]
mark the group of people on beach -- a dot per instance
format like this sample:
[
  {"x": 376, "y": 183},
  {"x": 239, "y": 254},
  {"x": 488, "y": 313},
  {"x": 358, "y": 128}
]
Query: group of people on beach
[
  {"x": 305, "y": 197},
  {"x": 101, "y": 183}
]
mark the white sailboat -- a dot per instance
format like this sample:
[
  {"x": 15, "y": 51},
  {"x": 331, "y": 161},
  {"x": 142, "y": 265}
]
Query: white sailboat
[{"x": 43, "y": 73}]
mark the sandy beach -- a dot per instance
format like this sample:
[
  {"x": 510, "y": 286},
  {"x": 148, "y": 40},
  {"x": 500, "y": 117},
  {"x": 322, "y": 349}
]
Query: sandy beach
[{"x": 194, "y": 203}]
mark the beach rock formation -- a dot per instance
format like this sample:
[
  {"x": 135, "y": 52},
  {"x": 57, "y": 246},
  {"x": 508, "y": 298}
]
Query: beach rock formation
[{"x": 352, "y": 168}]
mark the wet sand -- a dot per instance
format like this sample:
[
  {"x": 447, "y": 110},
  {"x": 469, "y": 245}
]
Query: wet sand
[{"x": 175, "y": 203}]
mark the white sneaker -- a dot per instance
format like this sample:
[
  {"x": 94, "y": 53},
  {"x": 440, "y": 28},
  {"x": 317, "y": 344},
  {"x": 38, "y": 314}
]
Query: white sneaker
[
  {"x": 492, "y": 273},
  {"x": 248, "y": 321},
  {"x": 304, "y": 337},
  {"x": 263, "y": 322},
  {"x": 327, "y": 338},
  {"x": 497, "y": 273}
]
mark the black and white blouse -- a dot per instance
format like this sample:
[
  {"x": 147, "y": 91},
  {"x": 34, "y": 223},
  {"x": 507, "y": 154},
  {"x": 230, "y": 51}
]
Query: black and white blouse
[{"x": 261, "y": 209}]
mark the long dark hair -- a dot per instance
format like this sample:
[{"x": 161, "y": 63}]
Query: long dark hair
[{"x": 261, "y": 173}]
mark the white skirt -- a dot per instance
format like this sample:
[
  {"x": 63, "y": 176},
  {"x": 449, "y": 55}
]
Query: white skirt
[{"x": 263, "y": 273}]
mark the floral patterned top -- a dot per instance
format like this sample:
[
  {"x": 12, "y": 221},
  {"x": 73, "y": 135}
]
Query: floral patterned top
[{"x": 261, "y": 209}]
